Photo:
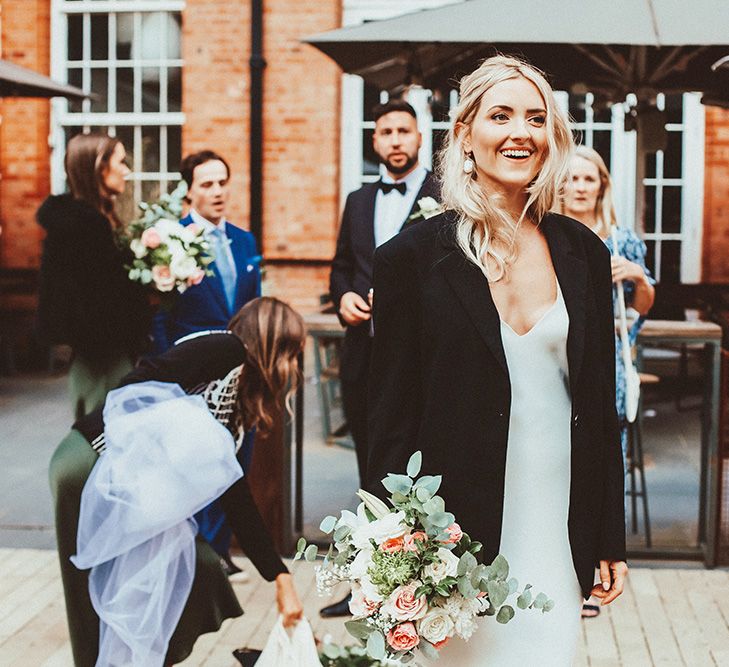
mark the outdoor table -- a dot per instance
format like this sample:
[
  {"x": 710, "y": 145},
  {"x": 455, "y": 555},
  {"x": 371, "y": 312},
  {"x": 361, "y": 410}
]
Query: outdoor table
[{"x": 672, "y": 334}]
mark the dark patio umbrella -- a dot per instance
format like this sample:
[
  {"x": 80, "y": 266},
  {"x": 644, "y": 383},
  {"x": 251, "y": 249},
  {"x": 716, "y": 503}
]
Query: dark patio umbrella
[
  {"x": 17, "y": 81},
  {"x": 610, "y": 48}
]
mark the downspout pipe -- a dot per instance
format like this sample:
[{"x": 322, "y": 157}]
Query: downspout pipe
[{"x": 257, "y": 65}]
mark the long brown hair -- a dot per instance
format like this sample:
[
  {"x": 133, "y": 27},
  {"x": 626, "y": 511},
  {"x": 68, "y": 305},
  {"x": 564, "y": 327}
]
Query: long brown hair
[
  {"x": 273, "y": 334},
  {"x": 87, "y": 157}
]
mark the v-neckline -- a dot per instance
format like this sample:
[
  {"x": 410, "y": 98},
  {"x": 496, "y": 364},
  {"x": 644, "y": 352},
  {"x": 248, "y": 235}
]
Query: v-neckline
[{"x": 539, "y": 321}]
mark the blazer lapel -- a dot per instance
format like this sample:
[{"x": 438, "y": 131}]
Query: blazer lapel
[
  {"x": 572, "y": 276},
  {"x": 369, "y": 216},
  {"x": 472, "y": 289},
  {"x": 429, "y": 188}
]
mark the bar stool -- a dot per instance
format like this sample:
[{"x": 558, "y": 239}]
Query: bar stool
[{"x": 635, "y": 464}]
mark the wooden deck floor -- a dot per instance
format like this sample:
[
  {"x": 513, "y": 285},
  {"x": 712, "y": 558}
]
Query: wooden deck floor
[{"x": 666, "y": 617}]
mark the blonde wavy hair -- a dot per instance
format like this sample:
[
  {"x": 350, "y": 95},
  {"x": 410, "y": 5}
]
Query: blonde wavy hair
[
  {"x": 273, "y": 334},
  {"x": 483, "y": 222},
  {"x": 604, "y": 207}
]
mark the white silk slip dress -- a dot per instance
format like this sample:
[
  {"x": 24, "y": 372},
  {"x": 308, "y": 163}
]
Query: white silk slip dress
[{"x": 534, "y": 536}]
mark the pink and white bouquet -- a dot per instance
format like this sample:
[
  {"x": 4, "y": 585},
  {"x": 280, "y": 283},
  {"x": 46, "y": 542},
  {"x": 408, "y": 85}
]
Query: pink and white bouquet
[
  {"x": 416, "y": 583},
  {"x": 167, "y": 256}
]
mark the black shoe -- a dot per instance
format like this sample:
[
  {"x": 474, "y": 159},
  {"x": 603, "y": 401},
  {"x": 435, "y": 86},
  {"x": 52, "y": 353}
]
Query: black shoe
[
  {"x": 337, "y": 609},
  {"x": 246, "y": 656}
]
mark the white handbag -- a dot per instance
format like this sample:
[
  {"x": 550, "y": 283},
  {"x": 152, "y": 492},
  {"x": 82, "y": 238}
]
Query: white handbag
[
  {"x": 297, "y": 649},
  {"x": 632, "y": 379}
]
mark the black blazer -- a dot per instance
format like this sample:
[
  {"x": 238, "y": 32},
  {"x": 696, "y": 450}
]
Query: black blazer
[
  {"x": 352, "y": 266},
  {"x": 439, "y": 383}
]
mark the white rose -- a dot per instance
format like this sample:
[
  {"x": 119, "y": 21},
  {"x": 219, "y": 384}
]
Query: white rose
[
  {"x": 138, "y": 248},
  {"x": 167, "y": 228},
  {"x": 360, "y": 605},
  {"x": 428, "y": 204},
  {"x": 183, "y": 266},
  {"x": 379, "y": 530},
  {"x": 445, "y": 566},
  {"x": 436, "y": 626}
]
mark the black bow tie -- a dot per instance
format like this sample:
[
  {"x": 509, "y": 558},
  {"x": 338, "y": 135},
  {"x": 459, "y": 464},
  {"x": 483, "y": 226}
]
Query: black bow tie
[{"x": 402, "y": 188}]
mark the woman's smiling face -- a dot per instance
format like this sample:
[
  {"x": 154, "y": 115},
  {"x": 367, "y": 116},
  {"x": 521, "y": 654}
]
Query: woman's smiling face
[{"x": 508, "y": 136}]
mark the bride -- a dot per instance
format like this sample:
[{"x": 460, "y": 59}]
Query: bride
[{"x": 494, "y": 355}]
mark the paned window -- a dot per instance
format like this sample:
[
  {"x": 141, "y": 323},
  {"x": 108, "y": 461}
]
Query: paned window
[{"x": 128, "y": 53}]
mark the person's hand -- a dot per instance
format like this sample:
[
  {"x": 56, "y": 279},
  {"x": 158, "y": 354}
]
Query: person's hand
[
  {"x": 623, "y": 269},
  {"x": 353, "y": 308},
  {"x": 612, "y": 580},
  {"x": 287, "y": 600}
]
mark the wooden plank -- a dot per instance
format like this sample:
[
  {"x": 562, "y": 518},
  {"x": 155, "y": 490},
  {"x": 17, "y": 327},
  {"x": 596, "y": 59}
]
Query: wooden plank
[
  {"x": 627, "y": 628},
  {"x": 701, "y": 598},
  {"x": 655, "y": 620},
  {"x": 600, "y": 641}
]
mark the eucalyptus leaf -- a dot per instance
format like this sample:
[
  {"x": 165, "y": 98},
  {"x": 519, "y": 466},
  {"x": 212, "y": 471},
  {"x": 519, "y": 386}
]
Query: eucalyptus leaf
[
  {"x": 399, "y": 498},
  {"x": 465, "y": 588},
  {"x": 327, "y": 524},
  {"x": 311, "y": 553},
  {"x": 501, "y": 567},
  {"x": 442, "y": 519},
  {"x": 434, "y": 506},
  {"x": 540, "y": 601},
  {"x": 414, "y": 464},
  {"x": 376, "y": 645},
  {"x": 548, "y": 606},
  {"x": 301, "y": 544},
  {"x": 398, "y": 483},
  {"x": 331, "y": 651},
  {"x": 466, "y": 563},
  {"x": 429, "y": 482},
  {"x": 423, "y": 494},
  {"x": 506, "y": 613},
  {"x": 341, "y": 532},
  {"x": 513, "y": 585},
  {"x": 498, "y": 592},
  {"x": 358, "y": 629},
  {"x": 524, "y": 600}
]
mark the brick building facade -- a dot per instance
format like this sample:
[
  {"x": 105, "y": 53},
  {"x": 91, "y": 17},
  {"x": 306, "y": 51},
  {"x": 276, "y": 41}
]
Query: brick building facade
[{"x": 302, "y": 135}]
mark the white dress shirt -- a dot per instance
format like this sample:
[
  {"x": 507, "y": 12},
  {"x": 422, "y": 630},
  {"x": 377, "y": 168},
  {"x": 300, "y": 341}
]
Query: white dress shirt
[{"x": 392, "y": 209}]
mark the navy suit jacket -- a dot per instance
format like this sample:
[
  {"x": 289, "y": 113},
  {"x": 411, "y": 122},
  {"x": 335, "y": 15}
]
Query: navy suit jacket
[{"x": 204, "y": 306}]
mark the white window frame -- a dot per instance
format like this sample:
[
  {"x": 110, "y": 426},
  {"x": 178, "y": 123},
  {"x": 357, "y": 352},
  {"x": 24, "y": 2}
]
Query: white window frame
[{"x": 61, "y": 117}]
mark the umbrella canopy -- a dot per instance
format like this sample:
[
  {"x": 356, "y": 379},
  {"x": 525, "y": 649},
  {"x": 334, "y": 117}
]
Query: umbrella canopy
[
  {"x": 611, "y": 48},
  {"x": 17, "y": 81}
]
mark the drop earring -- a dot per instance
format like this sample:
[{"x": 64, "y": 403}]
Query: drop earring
[{"x": 468, "y": 166}]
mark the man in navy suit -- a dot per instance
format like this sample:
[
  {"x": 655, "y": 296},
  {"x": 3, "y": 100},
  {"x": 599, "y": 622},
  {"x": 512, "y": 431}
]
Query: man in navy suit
[
  {"x": 210, "y": 305},
  {"x": 236, "y": 275},
  {"x": 372, "y": 215}
]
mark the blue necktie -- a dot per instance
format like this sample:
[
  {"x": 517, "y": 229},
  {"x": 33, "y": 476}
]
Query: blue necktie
[{"x": 225, "y": 266}]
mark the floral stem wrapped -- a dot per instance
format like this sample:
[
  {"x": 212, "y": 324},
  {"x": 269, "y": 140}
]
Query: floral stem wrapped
[
  {"x": 416, "y": 582},
  {"x": 167, "y": 256}
]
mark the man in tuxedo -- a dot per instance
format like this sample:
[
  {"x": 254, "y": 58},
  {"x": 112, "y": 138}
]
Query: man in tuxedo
[
  {"x": 373, "y": 215},
  {"x": 210, "y": 305}
]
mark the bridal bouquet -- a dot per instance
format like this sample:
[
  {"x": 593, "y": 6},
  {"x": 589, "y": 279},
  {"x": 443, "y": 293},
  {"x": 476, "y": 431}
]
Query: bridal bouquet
[
  {"x": 166, "y": 255},
  {"x": 415, "y": 579}
]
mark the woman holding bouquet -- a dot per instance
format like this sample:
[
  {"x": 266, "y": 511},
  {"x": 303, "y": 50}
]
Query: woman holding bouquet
[
  {"x": 245, "y": 377},
  {"x": 86, "y": 299},
  {"x": 494, "y": 355}
]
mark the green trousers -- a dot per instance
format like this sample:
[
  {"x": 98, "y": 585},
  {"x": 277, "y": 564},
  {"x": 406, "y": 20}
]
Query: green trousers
[
  {"x": 89, "y": 383},
  {"x": 211, "y": 600}
]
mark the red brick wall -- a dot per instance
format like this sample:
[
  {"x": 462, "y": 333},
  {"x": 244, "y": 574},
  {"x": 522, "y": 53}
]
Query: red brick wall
[
  {"x": 24, "y": 150},
  {"x": 301, "y": 126},
  {"x": 715, "y": 258}
]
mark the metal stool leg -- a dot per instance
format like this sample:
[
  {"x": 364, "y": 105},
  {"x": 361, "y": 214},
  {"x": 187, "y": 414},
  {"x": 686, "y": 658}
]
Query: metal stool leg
[
  {"x": 638, "y": 451},
  {"x": 632, "y": 491}
]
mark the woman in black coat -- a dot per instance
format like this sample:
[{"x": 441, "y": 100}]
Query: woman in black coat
[
  {"x": 86, "y": 299},
  {"x": 246, "y": 377},
  {"x": 454, "y": 297}
]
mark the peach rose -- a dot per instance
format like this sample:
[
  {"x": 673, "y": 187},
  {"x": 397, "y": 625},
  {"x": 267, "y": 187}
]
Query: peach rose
[
  {"x": 455, "y": 534},
  {"x": 392, "y": 545},
  {"x": 359, "y": 605},
  {"x": 440, "y": 645},
  {"x": 162, "y": 277},
  {"x": 403, "y": 637},
  {"x": 196, "y": 278},
  {"x": 402, "y": 604},
  {"x": 151, "y": 238},
  {"x": 410, "y": 540}
]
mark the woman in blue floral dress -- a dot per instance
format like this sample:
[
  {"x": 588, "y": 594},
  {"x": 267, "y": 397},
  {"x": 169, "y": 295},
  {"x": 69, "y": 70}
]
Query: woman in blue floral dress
[{"x": 588, "y": 198}]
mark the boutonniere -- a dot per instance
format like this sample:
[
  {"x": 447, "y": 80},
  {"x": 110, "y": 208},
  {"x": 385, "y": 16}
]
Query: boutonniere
[{"x": 427, "y": 208}]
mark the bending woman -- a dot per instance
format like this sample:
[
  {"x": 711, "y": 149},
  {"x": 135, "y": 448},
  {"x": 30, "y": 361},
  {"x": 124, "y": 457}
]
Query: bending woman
[
  {"x": 494, "y": 353},
  {"x": 245, "y": 376}
]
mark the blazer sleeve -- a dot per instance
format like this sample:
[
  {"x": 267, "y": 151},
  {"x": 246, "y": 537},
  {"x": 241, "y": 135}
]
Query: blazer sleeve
[
  {"x": 612, "y": 534},
  {"x": 394, "y": 398},
  {"x": 342, "y": 274}
]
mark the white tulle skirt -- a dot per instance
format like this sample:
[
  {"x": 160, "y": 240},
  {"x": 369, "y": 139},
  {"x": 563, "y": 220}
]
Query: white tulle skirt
[{"x": 166, "y": 458}]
